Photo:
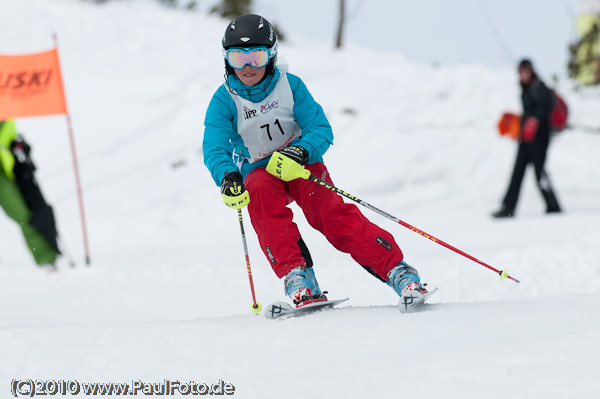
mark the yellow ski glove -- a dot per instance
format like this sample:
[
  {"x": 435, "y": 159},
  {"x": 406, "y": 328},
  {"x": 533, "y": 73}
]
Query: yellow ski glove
[
  {"x": 233, "y": 191},
  {"x": 287, "y": 164}
]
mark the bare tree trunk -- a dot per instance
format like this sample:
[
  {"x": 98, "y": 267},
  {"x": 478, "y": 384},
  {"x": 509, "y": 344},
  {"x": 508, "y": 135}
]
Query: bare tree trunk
[{"x": 340, "y": 31}]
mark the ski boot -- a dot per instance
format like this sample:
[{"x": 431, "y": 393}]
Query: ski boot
[
  {"x": 405, "y": 280},
  {"x": 302, "y": 287}
]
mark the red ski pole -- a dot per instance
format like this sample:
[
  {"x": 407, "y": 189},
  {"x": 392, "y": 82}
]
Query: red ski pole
[
  {"x": 255, "y": 307},
  {"x": 503, "y": 274}
]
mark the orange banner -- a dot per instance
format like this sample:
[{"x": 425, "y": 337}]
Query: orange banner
[{"x": 31, "y": 85}]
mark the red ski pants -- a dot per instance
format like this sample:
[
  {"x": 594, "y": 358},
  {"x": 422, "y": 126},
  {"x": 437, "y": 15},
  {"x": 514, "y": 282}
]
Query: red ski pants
[{"x": 343, "y": 225}]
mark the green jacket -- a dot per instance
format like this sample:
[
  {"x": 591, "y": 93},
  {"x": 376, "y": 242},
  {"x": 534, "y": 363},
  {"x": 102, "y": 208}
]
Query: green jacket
[{"x": 8, "y": 133}]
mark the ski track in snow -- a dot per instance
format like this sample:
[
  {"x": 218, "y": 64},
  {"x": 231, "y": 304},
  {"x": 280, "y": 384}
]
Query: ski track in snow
[{"x": 167, "y": 294}]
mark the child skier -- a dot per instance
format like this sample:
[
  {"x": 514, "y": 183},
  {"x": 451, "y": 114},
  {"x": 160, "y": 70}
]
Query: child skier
[{"x": 261, "y": 110}]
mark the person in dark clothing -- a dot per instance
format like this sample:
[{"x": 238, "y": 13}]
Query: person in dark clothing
[
  {"x": 534, "y": 139},
  {"x": 22, "y": 199}
]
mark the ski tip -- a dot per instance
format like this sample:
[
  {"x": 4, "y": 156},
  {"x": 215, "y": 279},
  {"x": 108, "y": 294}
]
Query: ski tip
[
  {"x": 283, "y": 310},
  {"x": 412, "y": 304},
  {"x": 278, "y": 309}
]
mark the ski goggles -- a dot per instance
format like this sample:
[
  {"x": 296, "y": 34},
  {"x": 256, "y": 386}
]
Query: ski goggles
[{"x": 256, "y": 57}]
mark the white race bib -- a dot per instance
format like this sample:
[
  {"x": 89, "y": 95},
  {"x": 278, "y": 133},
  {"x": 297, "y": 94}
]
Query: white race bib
[{"x": 269, "y": 125}]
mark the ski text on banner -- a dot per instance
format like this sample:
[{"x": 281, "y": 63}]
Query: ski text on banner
[{"x": 31, "y": 85}]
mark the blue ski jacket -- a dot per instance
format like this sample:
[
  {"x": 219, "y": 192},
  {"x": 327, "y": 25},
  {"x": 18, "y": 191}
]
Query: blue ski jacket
[{"x": 222, "y": 145}]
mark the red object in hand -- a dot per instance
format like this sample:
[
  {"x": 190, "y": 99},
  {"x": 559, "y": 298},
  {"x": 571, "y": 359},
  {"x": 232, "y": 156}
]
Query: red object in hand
[
  {"x": 509, "y": 124},
  {"x": 530, "y": 128}
]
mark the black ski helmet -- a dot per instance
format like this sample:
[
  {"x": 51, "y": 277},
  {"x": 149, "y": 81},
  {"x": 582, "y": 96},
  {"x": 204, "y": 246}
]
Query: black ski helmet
[{"x": 251, "y": 30}]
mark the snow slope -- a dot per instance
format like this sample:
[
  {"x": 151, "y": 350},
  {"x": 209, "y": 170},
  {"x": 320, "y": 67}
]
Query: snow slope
[{"x": 167, "y": 295}]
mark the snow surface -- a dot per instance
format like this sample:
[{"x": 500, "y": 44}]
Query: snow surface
[{"x": 167, "y": 293}]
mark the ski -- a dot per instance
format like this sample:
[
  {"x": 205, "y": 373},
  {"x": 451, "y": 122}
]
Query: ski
[
  {"x": 283, "y": 310},
  {"x": 412, "y": 303}
]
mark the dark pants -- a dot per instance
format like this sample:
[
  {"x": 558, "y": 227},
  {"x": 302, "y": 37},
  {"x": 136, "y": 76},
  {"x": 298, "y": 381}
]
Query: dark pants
[
  {"x": 535, "y": 153},
  {"x": 15, "y": 206}
]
